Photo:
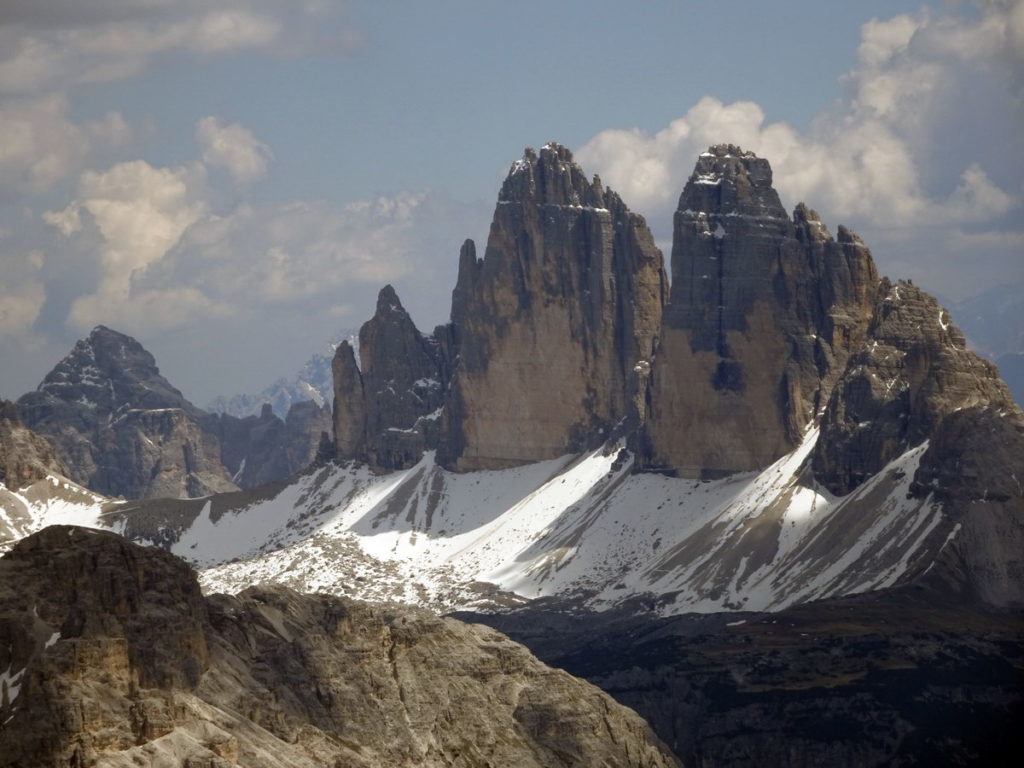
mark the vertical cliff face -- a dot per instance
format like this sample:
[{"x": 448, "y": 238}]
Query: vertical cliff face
[
  {"x": 551, "y": 323},
  {"x": 763, "y": 314},
  {"x": 25, "y": 457}
]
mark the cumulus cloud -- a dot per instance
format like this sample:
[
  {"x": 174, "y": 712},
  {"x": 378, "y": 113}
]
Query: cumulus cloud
[
  {"x": 53, "y": 43},
  {"x": 234, "y": 148},
  {"x": 897, "y": 154},
  {"x": 140, "y": 213},
  {"x": 42, "y": 145},
  {"x": 20, "y": 305},
  {"x": 167, "y": 259},
  {"x": 305, "y": 251}
]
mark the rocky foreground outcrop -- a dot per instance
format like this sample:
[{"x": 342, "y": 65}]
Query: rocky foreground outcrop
[
  {"x": 121, "y": 429},
  {"x": 111, "y": 656}
]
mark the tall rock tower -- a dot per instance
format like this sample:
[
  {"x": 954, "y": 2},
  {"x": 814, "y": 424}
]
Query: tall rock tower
[
  {"x": 554, "y": 319},
  {"x": 763, "y": 313}
]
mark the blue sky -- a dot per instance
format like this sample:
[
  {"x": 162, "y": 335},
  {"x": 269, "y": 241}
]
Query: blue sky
[{"x": 232, "y": 181}]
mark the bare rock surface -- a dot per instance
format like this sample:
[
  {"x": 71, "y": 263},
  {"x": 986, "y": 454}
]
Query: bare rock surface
[
  {"x": 387, "y": 407},
  {"x": 764, "y": 312},
  {"x": 120, "y": 427},
  {"x": 913, "y": 371},
  {"x": 552, "y": 321},
  {"x": 114, "y": 658},
  {"x": 25, "y": 457}
]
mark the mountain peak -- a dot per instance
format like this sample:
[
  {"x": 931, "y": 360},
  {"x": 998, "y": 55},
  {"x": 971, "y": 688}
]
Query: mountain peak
[
  {"x": 728, "y": 181},
  {"x": 388, "y": 302},
  {"x": 550, "y": 177}
]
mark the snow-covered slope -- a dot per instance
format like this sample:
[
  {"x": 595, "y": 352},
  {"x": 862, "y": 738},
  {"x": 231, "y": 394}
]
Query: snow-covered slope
[
  {"x": 54, "y": 500},
  {"x": 584, "y": 527}
]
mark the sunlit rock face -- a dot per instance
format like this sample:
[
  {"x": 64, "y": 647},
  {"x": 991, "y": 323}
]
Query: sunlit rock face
[
  {"x": 112, "y": 656},
  {"x": 763, "y": 314},
  {"x": 554, "y": 319}
]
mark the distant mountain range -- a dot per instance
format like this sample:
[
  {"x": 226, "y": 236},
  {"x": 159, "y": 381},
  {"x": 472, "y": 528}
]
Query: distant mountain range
[{"x": 313, "y": 382}]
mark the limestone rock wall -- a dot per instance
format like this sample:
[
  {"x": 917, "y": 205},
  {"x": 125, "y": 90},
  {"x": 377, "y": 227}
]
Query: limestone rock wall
[
  {"x": 763, "y": 313},
  {"x": 551, "y": 322},
  {"x": 387, "y": 408},
  {"x": 911, "y": 371},
  {"x": 120, "y": 427}
]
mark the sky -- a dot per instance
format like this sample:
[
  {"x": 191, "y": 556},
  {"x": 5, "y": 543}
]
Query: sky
[{"x": 232, "y": 181}]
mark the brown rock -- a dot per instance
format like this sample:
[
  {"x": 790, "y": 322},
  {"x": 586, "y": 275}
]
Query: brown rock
[
  {"x": 25, "y": 457},
  {"x": 551, "y": 323},
  {"x": 912, "y": 370},
  {"x": 145, "y": 672},
  {"x": 349, "y": 404}
]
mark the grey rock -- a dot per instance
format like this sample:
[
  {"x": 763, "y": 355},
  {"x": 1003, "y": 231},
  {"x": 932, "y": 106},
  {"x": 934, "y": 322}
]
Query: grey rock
[
  {"x": 120, "y": 427},
  {"x": 387, "y": 408},
  {"x": 403, "y": 385},
  {"x": 913, "y": 369}
]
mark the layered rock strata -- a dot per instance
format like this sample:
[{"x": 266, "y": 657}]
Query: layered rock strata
[
  {"x": 912, "y": 371},
  {"x": 113, "y": 657},
  {"x": 763, "y": 314},
  {"x": 551, "y": 324}
]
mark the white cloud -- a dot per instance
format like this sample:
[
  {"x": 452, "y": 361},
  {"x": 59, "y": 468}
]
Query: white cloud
[
  {"x": 40, "y": 145},
  {"x": 166, "y": 259},
  {"x": 885, "y": 158},
  {"x": 140, "y": 212},
  {"x": 234, "y": 148},
  {"x": 304, "y": 250},
  {"x": 20, "y": 305}
]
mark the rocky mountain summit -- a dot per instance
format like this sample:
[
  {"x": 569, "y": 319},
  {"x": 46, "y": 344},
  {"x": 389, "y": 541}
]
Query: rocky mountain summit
[
  {"x": 121, "y": 429},
  {"x": 775, "y": 340},
  {"x": 113, "y": 657},
  {"x": 386, "y": 407}
]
